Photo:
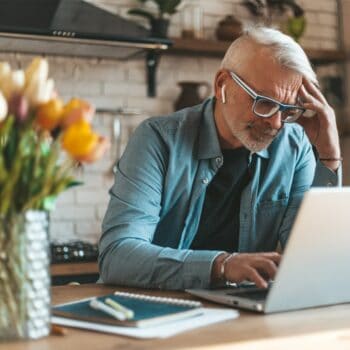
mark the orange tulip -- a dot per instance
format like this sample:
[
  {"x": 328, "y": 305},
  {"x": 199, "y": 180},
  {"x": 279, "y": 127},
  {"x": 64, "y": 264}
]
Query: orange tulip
[
  {"x": 79, "y": 140},
  {"x": 98, "y": 151},
  {"x": 49, "y": 114},
  {"x": 76, "y": 110}
]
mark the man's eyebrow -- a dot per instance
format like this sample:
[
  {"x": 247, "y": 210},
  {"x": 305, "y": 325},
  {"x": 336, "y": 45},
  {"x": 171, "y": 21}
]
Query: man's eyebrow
[{"x": 266, "y": 94}]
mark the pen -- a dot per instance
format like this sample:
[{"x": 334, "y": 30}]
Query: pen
[
  {"x": 99, "y": 305},
  {"x": 127, "y": 312}
]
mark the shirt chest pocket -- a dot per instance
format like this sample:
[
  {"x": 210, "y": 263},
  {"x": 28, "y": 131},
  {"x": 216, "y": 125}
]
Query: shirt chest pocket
[{"x": 269, "y": 216}]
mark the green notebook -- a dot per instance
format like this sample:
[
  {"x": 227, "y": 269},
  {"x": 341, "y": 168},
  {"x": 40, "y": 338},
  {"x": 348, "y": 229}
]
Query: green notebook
[{"x": 148, "y": 310}]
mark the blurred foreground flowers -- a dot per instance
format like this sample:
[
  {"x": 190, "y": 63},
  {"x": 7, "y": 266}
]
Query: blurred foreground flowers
[{"x": 35, "y": 127}]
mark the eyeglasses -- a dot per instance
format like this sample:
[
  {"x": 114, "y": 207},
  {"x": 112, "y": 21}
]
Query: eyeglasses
[{"x": 266, "y": 107}]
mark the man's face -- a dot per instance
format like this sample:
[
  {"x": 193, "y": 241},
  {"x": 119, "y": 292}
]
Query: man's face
[{"x": 236, "y": 122}]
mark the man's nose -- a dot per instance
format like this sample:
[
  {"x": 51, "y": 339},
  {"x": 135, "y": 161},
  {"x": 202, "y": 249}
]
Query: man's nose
[{"x": 275, "y": 121}]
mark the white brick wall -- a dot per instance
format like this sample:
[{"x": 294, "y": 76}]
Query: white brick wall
[{"x": 113, "y": 84}]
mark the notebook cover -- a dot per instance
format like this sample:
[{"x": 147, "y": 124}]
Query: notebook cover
[{"x": 147, "y": 312}]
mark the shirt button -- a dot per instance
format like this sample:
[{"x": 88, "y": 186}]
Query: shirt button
[
  {"x": 218, "y": 161},
  {"x": 205, "y": 181}
]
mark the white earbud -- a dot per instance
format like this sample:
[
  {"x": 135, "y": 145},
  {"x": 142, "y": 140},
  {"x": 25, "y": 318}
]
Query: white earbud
[{"x": 223, "y": 95}]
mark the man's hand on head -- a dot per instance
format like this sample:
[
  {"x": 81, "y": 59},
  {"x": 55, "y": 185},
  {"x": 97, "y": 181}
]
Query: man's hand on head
[
  {"x": 321, "y": 128},
  {"x": 255, "y": 267}
]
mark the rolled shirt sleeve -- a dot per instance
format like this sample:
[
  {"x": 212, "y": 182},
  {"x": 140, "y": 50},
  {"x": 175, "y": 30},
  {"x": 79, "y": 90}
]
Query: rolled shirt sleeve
[
  {"x": 327, "y": 177},
  {"x": 127, "y": 254}
]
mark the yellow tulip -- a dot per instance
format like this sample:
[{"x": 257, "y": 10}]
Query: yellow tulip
[
  {"x": 49, "y": 114},
  {"x": 97, "y": 152},
  {"x": 76, "y": 110},
  {"x": 79, "y": 140}
]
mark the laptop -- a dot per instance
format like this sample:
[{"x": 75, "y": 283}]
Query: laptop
[{"x": 314, "y": 270}]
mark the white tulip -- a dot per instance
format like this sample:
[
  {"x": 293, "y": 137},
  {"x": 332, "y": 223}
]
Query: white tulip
[
  {"x": 3, "y": 107},
  {"x": 39, "y": 91},
  {"x": 47, "y": 91},
  {"x": 37, "y": 70}
]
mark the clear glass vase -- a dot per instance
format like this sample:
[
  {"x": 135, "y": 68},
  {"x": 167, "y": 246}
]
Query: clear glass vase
[{"x": 25, "y": 301}]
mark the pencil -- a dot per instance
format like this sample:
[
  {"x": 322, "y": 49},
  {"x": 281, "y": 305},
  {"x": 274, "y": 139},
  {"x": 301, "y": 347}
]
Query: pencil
[
  {"x": 117, "y": 306},
  {"x": 99, "y": 305}
]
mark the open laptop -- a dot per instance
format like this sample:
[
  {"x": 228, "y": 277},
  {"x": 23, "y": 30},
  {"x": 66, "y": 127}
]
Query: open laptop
[{"x": 314, "y": 270}]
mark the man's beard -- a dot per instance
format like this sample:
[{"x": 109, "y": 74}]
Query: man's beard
[{"x": 256, "y": 138}]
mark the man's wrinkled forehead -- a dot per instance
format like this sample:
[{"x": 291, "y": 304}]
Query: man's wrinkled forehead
[{"x": 266, "y": 74}]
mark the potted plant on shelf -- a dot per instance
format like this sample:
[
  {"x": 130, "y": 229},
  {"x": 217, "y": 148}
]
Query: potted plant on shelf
[
  {"x": 266, "y": 11},
  {"x": 42, "y": 139},
  {"x": 159, "y": 21}
]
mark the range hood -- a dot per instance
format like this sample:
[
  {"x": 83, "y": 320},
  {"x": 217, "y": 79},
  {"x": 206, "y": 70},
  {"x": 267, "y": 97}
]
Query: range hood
[{"x": 71, "y": 28}]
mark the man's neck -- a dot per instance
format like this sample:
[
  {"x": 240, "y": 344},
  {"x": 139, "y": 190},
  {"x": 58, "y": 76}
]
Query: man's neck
[{"x": 226, "y": 139}]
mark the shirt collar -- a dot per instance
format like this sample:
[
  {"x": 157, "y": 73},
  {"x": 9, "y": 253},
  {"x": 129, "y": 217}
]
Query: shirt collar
[
  {"x": 208, "y": 140},
  {"x": 264, "y": 153}
]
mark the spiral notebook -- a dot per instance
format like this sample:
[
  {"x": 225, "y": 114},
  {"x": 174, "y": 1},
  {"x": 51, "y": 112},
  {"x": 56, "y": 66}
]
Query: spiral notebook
[{"x": 148, "y": 310}]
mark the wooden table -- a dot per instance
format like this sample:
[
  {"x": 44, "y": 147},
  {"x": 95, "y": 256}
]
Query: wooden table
[
  {"x": 320, "y": 328},
  {"x": 72, "y": 269}
]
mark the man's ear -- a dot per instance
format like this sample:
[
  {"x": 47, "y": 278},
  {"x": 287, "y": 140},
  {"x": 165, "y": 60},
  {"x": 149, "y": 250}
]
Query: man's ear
[{"x": 220, "y": 85}]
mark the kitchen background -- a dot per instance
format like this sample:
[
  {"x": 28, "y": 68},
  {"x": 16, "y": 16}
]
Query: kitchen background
[{"x": 114, "y": 85}]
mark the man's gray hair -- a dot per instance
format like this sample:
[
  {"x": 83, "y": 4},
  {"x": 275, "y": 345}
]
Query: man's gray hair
[{"x": 287, "y": 52}]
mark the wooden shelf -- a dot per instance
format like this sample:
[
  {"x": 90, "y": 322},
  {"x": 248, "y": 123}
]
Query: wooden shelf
[
  {"x": 216, "y": 48},
  {"x": 70, "y": 269}
]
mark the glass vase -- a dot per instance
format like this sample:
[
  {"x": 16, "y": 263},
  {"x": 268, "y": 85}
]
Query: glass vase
[{"x": 25, "y": 301}]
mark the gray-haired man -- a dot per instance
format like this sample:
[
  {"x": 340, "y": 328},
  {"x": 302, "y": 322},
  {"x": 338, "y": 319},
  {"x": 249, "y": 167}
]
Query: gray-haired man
[{"x": 223, "y": 177}]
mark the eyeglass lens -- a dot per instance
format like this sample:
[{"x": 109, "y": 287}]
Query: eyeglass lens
[{"x": 267, "y": 108}]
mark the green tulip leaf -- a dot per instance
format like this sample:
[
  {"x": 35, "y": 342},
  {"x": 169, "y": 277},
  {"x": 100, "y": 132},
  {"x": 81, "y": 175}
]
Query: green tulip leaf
[{"x": 74, "y": 183}]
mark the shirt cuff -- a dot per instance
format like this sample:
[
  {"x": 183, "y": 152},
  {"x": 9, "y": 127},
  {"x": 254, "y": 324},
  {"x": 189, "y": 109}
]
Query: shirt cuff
[
  {"x": 327, "y": 177},
  {"x": 197, "y": 268}
]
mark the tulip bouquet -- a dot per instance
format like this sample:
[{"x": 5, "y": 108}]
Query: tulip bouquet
[
  {"x": 42, "y": 139},
  {"x": 35, "y": 127}
]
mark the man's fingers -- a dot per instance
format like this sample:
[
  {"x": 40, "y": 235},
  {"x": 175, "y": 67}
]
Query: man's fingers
[
  {"x": 307, "y": 97},
  {"x": 313, "y": 91},
  {"x": 255, "y": 267},
  {"x": 267, "y": 267},
  {"x": 274, "y": 256},
  {"x": 254, "y": 276},
  {"x": 312, "y": 103}
]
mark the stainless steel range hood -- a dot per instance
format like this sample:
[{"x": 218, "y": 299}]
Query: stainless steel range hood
[{"x": 71, "y": 28}]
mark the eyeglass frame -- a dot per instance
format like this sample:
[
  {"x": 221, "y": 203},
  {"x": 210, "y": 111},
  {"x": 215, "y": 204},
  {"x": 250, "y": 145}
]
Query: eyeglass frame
[{"x": 256, "y": 97}]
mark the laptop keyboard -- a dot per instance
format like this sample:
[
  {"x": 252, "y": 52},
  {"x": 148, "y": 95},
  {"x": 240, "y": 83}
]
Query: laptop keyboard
[{"x": 255, "y": 294}]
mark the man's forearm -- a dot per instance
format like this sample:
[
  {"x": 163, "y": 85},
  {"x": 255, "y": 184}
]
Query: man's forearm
[{"x": 139, "y": 263}]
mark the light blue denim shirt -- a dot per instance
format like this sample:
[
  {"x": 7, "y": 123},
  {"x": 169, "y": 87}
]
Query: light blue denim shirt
[{"x": 160, "y": 184}]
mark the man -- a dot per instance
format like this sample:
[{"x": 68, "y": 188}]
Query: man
[{"x": 206, "y": 194}]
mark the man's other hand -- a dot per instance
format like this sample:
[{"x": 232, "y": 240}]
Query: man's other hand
[{"x": 322, "y": 128}]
